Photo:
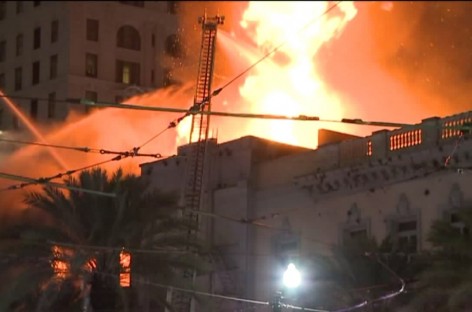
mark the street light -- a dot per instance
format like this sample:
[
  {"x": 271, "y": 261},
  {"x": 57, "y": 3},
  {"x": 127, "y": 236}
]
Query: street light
[{"x": 291, "y": 279}]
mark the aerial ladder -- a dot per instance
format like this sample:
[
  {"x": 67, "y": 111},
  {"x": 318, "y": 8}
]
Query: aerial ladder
[{"x": 198, "y": 143}]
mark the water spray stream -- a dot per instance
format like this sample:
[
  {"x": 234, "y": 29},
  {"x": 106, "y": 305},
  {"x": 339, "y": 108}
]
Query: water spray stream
[{"x": 32, "y": 129}]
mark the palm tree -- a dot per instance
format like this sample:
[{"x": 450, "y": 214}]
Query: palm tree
[
  {"x": 85, "y": 235},
  {"x": 446, "y": 284}
]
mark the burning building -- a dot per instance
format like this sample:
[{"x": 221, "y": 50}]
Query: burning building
[{"x": 265, "y": 202}]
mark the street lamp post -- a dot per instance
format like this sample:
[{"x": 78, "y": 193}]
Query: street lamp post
[{"x": 291, "y": 279}]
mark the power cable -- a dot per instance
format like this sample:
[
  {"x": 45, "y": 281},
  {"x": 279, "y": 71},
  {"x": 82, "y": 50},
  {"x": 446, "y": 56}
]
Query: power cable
[
  {"x": 47, "y": 180},
  {"x": 30, "y": 181},
  {"x": 84, "y": 149},
  {"x": 193, "y": 111}
]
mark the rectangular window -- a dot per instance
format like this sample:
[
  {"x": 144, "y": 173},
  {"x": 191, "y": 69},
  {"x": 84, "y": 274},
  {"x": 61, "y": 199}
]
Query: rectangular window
[
  {"x": 35, "y": 75},
  {"x": 134, "y": 3},
  {"x": 2, "y": 81},
  {"x": 37, "y": 38},
  {"x": 92, "y": 96},
  {"x": 54, "y": 30},
  {"x": 91, "y": 65},
  {"x": 127, "y": 72},
  {"x": 34, "y": 109},
  {"x": 172, "y": 7},
  {"x": 92, "y": 30},
  {"x": 53, "y": 66},
  {"x": 19, "y": 7},
  {"x": 18, "y": 78},
  {"x": 3, "y": 9},
  {"x": 3, "y": 50},
  {"x": 19, "y": 45},
  {"x": 52, "y": 105}
]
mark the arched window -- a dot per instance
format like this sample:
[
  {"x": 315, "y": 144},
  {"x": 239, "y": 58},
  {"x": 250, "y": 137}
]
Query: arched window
[
  {"x": 173, "y": 46},
  {"x": 128, "y": 38}
]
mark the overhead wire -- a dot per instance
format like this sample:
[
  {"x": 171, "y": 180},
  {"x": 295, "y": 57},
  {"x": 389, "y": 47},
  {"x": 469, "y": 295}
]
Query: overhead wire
[
  {"x": 47, "y": 180},
  {"x": 30, "y": 181}
]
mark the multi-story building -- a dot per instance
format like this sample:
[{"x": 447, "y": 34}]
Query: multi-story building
[
  {"x": 100, "y": 50},
  {"x": 266, "y": 202}
]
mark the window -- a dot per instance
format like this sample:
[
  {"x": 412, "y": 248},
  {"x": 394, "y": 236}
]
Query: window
[
  {"x": 3, "y": 9},
  {"x": 18, "y": 78},
  {"x": 53, "y": 66},
  {"x": 37, "y": 38},
  {"x": 3, "y": 50},
  {"x": 91, "y": 65},
  {"x": 172, "y": 7},
  {"x": 128, "y": 38},
  {"x": 173, "y": 46},
  {"x": 405, "y": 235},
  {"x": 92, "y": 96},
  {"x": 54, "y": 30},
  {"x": 19, "y": 45},
  {"x": 19, "y": 7},
  {"x": 167, "y": 80},
  {"x": 2, "y": 81},
  {"x": 127, "y": 72},
  {"x": 51, "y": 105},
  {"x": 133, "y": 3},
  {"x": 125, "y": 269},
  {"x": 34, "y": 109},
  {"x": 35, "y": 75},
  {"x": 92, "y": 30}
]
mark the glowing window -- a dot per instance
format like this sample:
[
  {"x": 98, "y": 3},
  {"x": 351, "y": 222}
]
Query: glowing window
[{"x": 125, "y": 269}]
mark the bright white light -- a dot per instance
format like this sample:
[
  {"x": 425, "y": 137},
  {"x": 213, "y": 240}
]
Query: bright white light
[{"x": 292, "y": 277}]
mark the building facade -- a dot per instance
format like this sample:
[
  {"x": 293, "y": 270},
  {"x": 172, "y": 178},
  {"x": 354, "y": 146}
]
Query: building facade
[
  {"x": 100, "y": 50},
  {"x": 267, "y": 203}
]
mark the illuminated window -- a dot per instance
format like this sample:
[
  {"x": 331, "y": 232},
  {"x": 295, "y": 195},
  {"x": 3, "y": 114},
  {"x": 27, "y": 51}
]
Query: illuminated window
[
  {"x": 54, "y": 30},
  {"x": 127, "y": 72},
  {"x": 92, "y": 30},
  {"x": 59, "y": 263},
  {"x": 91, "y": 65},
  {"x": 125, "y": 269},
  {"x": 37, "y": 38},
  {"x": 19, "y": 45},
  {"x": 128, "y": 38},
  {"x": 36, "y": 73}
]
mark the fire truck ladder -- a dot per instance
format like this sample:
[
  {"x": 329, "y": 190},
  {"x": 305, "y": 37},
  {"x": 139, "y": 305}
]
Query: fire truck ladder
[{"x": 182, "y": 302}]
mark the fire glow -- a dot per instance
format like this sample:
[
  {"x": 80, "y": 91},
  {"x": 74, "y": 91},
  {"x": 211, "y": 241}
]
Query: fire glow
[{"x": 289, "y": 84}]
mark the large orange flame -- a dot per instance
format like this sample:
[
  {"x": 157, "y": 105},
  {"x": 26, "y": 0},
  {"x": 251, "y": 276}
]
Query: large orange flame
[{"x": 290, "y": 84}]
